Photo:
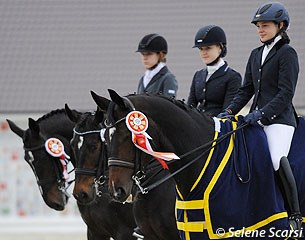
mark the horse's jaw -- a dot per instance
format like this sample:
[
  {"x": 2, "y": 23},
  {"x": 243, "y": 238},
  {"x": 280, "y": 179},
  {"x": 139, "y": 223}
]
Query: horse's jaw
[{"x": 58, "y": 203}]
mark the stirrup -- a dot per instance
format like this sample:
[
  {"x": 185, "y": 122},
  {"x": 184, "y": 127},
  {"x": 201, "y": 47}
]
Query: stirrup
[
  {"x": 295, "y": 222},
  {"x": 138, "y": 233}
]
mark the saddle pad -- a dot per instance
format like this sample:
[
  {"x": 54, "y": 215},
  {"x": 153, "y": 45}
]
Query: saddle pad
[{"x": 236, "y": 192}]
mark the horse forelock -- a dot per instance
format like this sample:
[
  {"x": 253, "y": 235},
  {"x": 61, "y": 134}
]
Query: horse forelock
[
  {"x": 110, "y": 112},
  {"x": 86, "y": 119}
]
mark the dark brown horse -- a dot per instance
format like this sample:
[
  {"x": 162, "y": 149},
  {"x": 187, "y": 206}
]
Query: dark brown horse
[
  {"x": 102, "y": 217},
  {"x": 91, "y": 176},
  {"x": 46, "y": 168},
  {"x": 154, "y": 223},
  {"x": 207, "y": 168}
]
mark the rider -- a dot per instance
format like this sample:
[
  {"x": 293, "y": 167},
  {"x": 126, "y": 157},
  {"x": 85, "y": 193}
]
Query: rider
[
  {"x": 157, "y": 77},
  {"x": 213, "y": 87},
  {"x": 271, "y": 76}
]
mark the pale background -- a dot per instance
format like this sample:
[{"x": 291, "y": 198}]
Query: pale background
[{"x": 54, "y": 52}]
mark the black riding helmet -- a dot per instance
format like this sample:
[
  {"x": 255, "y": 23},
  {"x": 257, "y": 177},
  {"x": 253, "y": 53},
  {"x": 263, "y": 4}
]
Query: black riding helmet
[
  {"x": 152, "y": 43},
  {"x": 275, "y": 12},
  {"x": 210, "y": 35}
]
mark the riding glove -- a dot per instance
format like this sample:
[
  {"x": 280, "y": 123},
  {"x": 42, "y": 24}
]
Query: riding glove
[
  {"x": 224, "y": 114},
  {"x": 253, "y": 117}
]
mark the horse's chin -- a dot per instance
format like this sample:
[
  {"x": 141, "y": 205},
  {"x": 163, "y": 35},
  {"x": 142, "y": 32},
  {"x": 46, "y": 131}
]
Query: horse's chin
[
  {"x": 88, "y": 202},
  {"x": 85, "y": 198},
  {"x": 57, "y": 204}
]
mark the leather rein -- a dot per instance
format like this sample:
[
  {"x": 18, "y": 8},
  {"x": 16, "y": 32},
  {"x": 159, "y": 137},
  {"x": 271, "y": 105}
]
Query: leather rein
[{"x": 139, "y": 172}]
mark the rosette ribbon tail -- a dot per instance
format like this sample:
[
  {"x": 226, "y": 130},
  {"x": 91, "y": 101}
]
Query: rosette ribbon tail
[{"x": 141, "y": 141}]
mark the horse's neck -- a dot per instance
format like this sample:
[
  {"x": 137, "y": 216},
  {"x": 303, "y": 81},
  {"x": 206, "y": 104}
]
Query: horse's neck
[
  {"x": 187, "y": 177},
  {"x": 59, "y": 125}
]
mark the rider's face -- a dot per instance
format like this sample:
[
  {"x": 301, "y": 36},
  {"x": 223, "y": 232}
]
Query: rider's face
[
  {"x": 266, "y": 30},
  {"x": 209, "y": 53},
  {"x": 149, "y": 59}
]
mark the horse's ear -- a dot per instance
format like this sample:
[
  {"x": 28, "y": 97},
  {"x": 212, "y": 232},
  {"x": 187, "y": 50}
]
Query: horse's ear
[
  {"x": 73, "y": 115},
  {"x": 15, "y": 128},
  {"x": 34, "y": 126},
  {"x": 99, "y": 115},
  {"x": 102, "y": 102},
  {"x": 116, "y": 98}
]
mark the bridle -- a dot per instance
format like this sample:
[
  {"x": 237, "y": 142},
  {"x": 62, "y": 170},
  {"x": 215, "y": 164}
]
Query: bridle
[
  {"x": 99, "y": 173},
  {"x": 140, "y": 173},
  {"x": 63, "y": 185}
]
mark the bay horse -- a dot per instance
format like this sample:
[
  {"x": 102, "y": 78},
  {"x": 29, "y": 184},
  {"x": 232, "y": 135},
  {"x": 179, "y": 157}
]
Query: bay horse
[
  {"x": 89, "y": 144},
  {"x": 238, "y": 197},
  {"x": 91, "y": 174},
  {"x": 98, "y": 216}
]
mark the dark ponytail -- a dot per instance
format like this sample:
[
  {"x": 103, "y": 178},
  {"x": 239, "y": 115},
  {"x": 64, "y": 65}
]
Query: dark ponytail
[{"x": 285, "y": 37}]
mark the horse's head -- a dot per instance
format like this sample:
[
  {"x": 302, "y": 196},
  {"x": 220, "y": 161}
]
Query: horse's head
[
  {"x": 90, "y": 154},
  {"x": 47, "y": 168},
  {"x": 142, "y": 126},
  {"x": 119, "y": 175},
  {"x": 127, "y": 164}
]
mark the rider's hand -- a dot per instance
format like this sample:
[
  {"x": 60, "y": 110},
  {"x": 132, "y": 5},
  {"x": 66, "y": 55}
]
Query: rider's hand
[
  {"x": 253, "y": 117},
  {"x": 225, "y": 113}
]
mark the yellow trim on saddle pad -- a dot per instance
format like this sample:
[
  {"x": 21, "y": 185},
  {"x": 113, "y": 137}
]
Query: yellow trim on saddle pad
[
  {"x": 191, "y": 226},
  {"x": 203, "y": 204}
]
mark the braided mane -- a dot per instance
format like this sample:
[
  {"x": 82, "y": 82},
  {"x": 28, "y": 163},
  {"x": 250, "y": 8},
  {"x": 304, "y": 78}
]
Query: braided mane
[
  {"x": 178, "y": 102},
  {"x": 51, "y": 114}
]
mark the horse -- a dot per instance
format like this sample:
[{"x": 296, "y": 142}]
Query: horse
[
  {"x": 47, "y": 169},
  {"x": 154, "y": 223},
  {"x": 218, "y": 195},
  {"x": 90, "y": 175}
]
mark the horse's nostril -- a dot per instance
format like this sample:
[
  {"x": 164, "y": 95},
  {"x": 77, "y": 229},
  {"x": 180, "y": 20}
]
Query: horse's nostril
[
  {"x": 59, "y": 207},
  {"x": 82, "y": 196},
  {"x": 119, "y": 194}
]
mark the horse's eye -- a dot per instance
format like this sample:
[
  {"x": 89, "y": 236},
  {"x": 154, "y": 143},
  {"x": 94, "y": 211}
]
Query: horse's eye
[{"x": 92, "y": 147}]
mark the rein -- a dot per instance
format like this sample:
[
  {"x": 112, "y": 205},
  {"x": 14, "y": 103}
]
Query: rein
[
  {"x": 210, "y": 146},
  {"x": 140, "y": 175}
]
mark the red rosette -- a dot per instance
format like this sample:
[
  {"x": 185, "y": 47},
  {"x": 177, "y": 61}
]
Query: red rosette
[
  {"x": 136, "y": 122},
  {"x": 54, "y": 147}
]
